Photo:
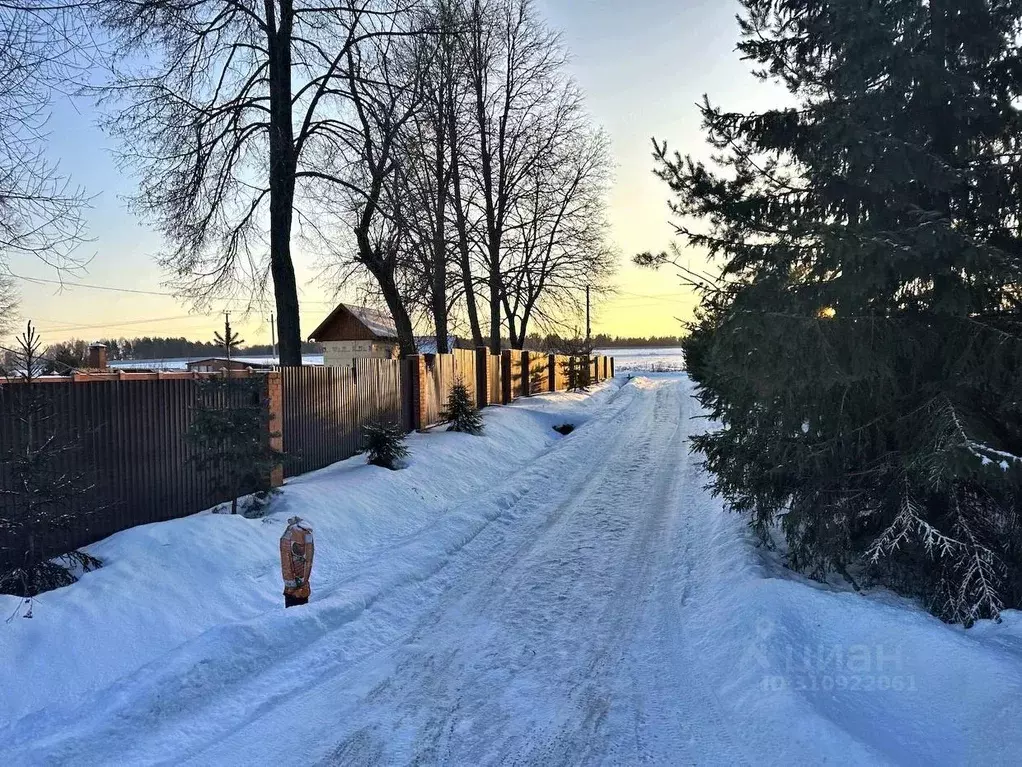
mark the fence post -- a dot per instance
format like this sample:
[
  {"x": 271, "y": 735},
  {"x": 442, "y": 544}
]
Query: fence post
[
  {"x": 551, "y": 367},
  {"x": 526, "y": 373},
  {"x": 611, "y": 367},
  {"x": 275, "y": 403},
  {"x": 482, "y": 381},
  {"x": 505, "y": 376}
]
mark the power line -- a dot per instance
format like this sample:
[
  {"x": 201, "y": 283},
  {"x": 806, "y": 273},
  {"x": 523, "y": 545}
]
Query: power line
[
  {"x": 114, "y": 289},
  {"x": 63, "y": 326}
]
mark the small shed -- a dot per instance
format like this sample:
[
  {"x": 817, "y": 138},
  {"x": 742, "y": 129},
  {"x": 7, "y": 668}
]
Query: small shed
[
  {"x": 351, "y": 332},
  {"x": 220, "y": 364}
]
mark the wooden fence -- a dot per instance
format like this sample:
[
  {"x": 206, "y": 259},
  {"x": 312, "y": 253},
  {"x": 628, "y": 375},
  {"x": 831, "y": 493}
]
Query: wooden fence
[{"x": 124, "y": 433}]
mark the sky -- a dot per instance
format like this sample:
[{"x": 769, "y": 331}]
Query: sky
[{"x": 644, "y": 65}]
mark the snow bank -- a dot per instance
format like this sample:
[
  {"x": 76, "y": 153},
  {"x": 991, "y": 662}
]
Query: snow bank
[
  {"x": 818, "y": 673},
  {"x": 166, "y": 583}
]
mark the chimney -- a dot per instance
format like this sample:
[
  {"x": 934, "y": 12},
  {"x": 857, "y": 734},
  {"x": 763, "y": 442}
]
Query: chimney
[{"x": 97, "y": 357}]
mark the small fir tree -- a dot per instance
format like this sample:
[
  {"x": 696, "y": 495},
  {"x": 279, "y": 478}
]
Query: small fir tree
[
  {"x": 461, "y": 412},
  {"x": 578, "y": 368},
  {"x": 39, "y": 494},
  {"x": 230, "y": 431},
  {"x": 384, "y": 444}
]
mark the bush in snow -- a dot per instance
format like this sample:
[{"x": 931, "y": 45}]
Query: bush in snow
[
  {"x": 384, "y": 444},
  {"x": 461, "y": 412},
  {"x": 39, "y": 496}
]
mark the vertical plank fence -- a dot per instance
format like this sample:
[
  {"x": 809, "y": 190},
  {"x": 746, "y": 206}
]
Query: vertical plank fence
[
  {"x": 124, "y": 441},
  {"x": 324, "y": 410},
  {"x": 126, "y": 432}
]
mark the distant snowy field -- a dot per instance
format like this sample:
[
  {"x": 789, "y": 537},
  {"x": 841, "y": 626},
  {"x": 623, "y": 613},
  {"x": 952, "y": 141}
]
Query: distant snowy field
[{"x": 653, "y": 359}]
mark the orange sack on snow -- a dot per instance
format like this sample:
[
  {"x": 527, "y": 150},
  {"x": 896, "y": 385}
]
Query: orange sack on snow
[{"x": 296, "y": 552}]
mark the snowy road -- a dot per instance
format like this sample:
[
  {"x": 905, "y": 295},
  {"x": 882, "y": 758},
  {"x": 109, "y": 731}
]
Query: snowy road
[{"x": 594, "y": 607}]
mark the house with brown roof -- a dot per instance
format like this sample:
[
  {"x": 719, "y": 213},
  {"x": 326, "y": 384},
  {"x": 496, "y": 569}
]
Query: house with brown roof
[{"x": 351, "y": 332}]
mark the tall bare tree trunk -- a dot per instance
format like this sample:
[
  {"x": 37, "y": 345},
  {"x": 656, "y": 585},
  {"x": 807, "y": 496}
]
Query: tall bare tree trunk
[
  {"x": 439, "y": 287},
  {"x": 464, "y": 255},
  {"x": 403, "y": 323},
  {"x": 283, "y": 165}
]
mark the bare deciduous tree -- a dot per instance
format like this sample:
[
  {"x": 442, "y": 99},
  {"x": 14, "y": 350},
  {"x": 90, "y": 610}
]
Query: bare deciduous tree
[
  {"x": 362, "y": 180},
  {"x": 8, "y": 305},
  {"x": 516, "y": 70},
  {"x": 233, "y": 98},
  {"x": 40, "y": 209},
  {"x": 426, "y": 162},
  {"x": 558, "y": 242}
]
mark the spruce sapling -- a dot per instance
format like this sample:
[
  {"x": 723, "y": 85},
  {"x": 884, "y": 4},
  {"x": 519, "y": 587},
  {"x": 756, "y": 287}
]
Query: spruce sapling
[
  {"x": 461, "y": 412},
  {"x": 384, "y": 444}
]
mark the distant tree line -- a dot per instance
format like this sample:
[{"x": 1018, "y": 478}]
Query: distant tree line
[
  {"x": 154, "y": 348},
  {"x": 65, "y": 356}
]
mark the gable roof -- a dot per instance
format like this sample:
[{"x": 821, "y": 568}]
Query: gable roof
[{"x": 379, "y": 324}]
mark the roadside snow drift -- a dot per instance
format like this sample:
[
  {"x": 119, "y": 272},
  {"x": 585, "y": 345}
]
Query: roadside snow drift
[{"x": 518, "y": 597}]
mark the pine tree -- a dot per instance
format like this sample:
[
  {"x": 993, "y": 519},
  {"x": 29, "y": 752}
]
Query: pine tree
[
  {"x": 384, "y": 444},
  {"x": 862, "y": 346},
  {"x": 461, "y": 412},
  {"x": 39, "y": 494},
  {"x": 230, "y": 431}
]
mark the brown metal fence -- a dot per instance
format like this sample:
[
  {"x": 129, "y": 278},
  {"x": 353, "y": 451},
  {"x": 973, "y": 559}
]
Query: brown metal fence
[
  {"x": 324, "y": 410},
  {"x": 439, "y": 374},
  {"x": 124, "y": 441},
  {"x": 125, "y": 433}
]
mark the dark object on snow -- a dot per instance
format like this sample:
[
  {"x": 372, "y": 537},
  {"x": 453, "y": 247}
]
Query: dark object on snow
[
  {"x": 565, "y": 428},
  {"x": 461, "y": 414},
  {"x": 297, "y": 549},
  {"x": 385, "y": 444}
]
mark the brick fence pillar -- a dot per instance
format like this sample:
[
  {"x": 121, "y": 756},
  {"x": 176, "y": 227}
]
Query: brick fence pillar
[
  {"x": 417, "y": 390},
  {"x": 505, "y": 376},
  {"x": 275, "y": 400},
  {"x": 526, "y": 373},
  {"x": 482, "y": 373}
]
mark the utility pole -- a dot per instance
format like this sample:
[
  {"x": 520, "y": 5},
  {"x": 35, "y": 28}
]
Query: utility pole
[
  {"x": 589, "y": 330},
  {"x": 273, "y": 338}
]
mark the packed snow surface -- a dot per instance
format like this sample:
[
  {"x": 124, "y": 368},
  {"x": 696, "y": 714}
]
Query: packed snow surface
[{"x": 518, "y": 598}]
